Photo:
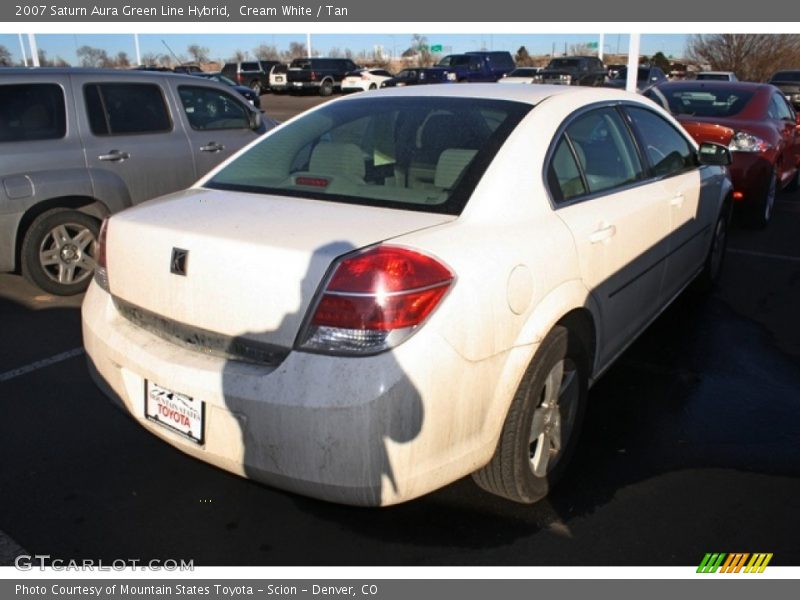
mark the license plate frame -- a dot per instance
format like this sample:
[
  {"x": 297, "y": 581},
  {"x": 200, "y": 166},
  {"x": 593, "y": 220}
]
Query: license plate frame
[{"x": 176, "y": 412}]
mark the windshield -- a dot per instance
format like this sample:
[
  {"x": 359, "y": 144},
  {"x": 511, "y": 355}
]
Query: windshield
[
  {"x": 701, "y": 101},
  {"x": 523, "y": 72},
  {"x": 416, "y": 153}
]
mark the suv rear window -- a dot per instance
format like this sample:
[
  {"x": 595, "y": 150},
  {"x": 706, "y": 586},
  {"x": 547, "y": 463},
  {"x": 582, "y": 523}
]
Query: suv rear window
[
  {"x": 32, "y": 112},
  {"x": 786, "y": 76},
  {"x": 126, "y": 108},
  {"x": 250, "y": 66},
  {"x": 417, "y": 153}
]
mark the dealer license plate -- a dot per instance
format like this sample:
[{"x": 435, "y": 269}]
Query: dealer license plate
[{"x": 174, "y": 411}]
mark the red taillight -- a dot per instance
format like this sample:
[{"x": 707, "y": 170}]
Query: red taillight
[
  {"x": 376, "y": 299},
  {"x": 313, "y": 76},
  {"x": 100, "y": 270}
]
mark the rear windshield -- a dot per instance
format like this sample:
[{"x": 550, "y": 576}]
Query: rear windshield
[
  {"x": 702, "y": 101},
  {"x": 564, "y": 63},
  {"x": 415, "y": 153},
  {"x": 786, "y": 76},
  {"x": 713, "y": 77}
]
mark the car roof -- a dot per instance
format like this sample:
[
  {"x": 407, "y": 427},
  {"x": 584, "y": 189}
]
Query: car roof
[
  {"x": 529, "y": 94},
  {"x": 710, "y": 84},
  {"x": 45, "y": 71}
]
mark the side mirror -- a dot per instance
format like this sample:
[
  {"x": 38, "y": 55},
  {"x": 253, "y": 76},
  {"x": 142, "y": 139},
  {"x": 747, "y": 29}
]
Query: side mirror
[
  {"x": 710, "y": 153},
  {"x": 255, "y": 120}
]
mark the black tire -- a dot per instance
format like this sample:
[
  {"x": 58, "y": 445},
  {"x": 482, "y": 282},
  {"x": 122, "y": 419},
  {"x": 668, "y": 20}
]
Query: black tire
[
  {"x": 256, "y": 87},
  {"x": 511, "y": 472},
  {"x": 69, "y": 270},
  {"x": 326, "y": 88},
  {"x": 715, "y": 259},
  {"x": 760, "y": 213}
]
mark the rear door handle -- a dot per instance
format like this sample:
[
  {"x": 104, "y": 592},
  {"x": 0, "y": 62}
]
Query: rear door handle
[
  {"x": 602, "y": 234},
  {"x": 212, "y": 147},
  {"x": 114, "y": 156}
]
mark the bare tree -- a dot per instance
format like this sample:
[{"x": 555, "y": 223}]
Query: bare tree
[
  {"x": 296, "y": 50},
  {"x": 420, "y": 47},
  {"x": 198, "y": 53},
  {"x": 265, "y": 52},
  {"x": 523, "y": 57},
  {"x": 238, "y": 56},
  {"x": 150, "y": 59},
  {"x": 5, "y": 57},
  {"x": 753, "y": 57},
  {"x": 335, "y": 52},
  {"x": 93, "y": 57},
  {"x": 121, "y": 60}
]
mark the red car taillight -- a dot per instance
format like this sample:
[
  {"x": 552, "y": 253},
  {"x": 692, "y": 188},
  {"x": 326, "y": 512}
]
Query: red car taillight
[
  {"x": 313, "y": 76},
  {"x": 100, "y": 270},
  {"x": 374, "y": 300}
]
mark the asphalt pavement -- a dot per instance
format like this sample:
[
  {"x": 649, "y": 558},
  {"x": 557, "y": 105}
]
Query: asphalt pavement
[{"x": 691, "y": 445}]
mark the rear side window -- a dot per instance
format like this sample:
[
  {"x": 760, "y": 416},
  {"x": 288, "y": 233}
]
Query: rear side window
[
  {"x": 32, "y": 112},
  {"x": 779, "y": 109},
  {"x": 208, "y": 109},
  {"x": 605, "y": 150},
  {"x": 667, "y": 151},
  {"x": 126, "y": 108},
  {"x": 250, "y": 66},
  {"x": 564, "y": 176}
]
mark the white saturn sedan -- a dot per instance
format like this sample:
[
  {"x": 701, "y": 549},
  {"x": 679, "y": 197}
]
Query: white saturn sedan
[{"x": 396, "y": 290}]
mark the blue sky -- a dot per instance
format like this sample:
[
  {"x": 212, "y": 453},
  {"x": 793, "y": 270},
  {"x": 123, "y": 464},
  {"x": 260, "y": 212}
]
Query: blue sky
[{"x": 224, "y": 45}]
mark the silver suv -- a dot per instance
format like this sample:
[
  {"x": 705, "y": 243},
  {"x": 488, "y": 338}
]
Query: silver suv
[{"x": 79, "y": 144}]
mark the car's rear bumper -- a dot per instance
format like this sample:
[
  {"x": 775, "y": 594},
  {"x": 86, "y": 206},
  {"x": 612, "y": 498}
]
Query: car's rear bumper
[{"x": 361, "y": 431}]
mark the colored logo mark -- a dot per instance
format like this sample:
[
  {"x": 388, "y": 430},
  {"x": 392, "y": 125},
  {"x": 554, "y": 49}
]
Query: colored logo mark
[{"x": 734, "y": 563}]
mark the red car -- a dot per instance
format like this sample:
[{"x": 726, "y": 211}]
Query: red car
[{"x": 756, "y": 123}]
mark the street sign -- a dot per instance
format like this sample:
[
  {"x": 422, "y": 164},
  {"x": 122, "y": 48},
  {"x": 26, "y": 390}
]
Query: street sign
[{"x": 436, "y": 48}]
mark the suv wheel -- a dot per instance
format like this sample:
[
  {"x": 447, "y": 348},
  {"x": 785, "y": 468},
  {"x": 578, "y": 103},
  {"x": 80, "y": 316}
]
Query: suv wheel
[
  {"x": 326, "y": 88},
  {"x": 256, "y": 87},
  {"x": 59, "y": 251}
]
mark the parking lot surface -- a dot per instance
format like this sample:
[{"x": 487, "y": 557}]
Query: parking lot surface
[{"x": 691, "y": 445}]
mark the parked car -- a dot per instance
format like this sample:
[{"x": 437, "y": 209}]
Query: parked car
[
  {"x": 613, "y": 70},
  {"x": 645, "y": 77},
  {"x": 248, "y": 93},
  {"x": 758, "y": 125},
  {"x": 320, "y": 75},
  {"x": 397, "y": 289},
  {"x": 188, "y": 69},
  {"x": 79, "y": 144},
  {"x": 789, "y": 83},
  {"x": 277, "y": 79},
  {"x": 419, "y": 76},
  {"x": 716, "y": 76},
  {"x": 250, "y": 73},
  {"x": 521, "y": 75},
  {"x": 478, "y": 66},
  {"x": 573, "y": 70},
  {"x": 365, "y": 79}
]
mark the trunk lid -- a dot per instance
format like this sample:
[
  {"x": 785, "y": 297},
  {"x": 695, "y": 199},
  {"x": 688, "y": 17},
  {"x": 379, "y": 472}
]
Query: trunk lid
[{"x": 254, "y": 262}]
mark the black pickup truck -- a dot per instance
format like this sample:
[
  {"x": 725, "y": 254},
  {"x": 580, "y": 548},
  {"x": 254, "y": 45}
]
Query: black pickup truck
[
  {"x": 478, "y": 66},
  {"x": 574, "y": 70},
  {"x": 320, "y": 75}
]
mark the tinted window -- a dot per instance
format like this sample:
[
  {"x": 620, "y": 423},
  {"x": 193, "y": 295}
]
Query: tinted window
[
  {"x": 701, "y": 101},
  {"x": 667, "y": 151},
  {"x": 605, "y": 150},
  {"x": 786, "y": 76},
  {"x": 126, "y": 108},
  {"x": 250, "y": 66},
  {"x": 564, "y": 176},
  {"x": 417, "y": 153},
  {"x": 31, "y": 112},
  {"x": 211, "y": 109}
]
